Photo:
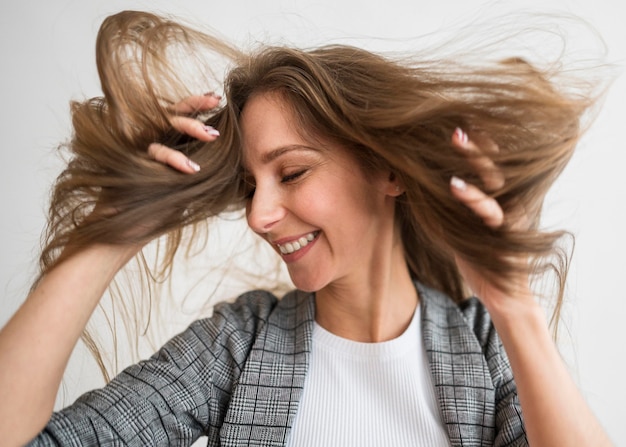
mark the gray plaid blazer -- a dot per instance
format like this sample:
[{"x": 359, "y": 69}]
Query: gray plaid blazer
[{"x": 238, "y": 376}]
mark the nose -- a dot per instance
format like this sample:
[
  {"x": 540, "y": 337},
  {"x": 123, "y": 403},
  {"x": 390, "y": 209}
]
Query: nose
[{"x": 265, "y": 209}]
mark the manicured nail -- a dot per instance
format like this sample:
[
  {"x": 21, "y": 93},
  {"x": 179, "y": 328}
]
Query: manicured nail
[
  {"x": 193, "y": 165},
  {"x": 460, "y": 135},
  {"x": 211, "y": 131},
  {"x": 458, "y": 183},
  {"x": 215, "y": 95}
]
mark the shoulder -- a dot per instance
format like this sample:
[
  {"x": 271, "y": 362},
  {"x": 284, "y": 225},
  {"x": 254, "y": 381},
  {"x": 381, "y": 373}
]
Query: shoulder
[
  {"x": 469, "y": 314},
  {"x": 234, "y": 326},
  {"x": 245, "y": 311},
  {"x": 228, "y": 332},
  {"x": 253, "y": 309},
  {"x": 238, "y": 320},
  {"x": 464, "y": 327}
]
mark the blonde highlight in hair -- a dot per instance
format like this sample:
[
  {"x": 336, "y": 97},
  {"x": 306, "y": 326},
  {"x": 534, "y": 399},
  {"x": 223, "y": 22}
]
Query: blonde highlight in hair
[{"x": 393, "y": 114}]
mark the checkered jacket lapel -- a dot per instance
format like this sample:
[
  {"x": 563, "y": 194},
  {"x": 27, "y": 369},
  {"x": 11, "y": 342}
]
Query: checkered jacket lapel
[
  {"x": 265, "y": 398},
  {"x": 459, "y": 370}
]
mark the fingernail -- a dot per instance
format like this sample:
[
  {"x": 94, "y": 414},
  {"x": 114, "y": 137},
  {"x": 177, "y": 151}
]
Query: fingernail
[
  {"x": 215, "y": 95},
  {"x": 460, "y": 135},
  {"x": 193, "y": 165},
  {"x": 458, "y": 183},
  {"x": 211, "y": 131}
]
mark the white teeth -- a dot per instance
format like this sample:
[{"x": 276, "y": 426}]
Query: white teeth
[{"x": 291, "y": 247}]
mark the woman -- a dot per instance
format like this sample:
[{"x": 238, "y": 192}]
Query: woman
[{"x": 389, "y": 190}]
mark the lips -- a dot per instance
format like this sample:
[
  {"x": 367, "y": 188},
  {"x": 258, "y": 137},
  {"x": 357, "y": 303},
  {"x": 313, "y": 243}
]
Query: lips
[{"x": 297, "y": 244}]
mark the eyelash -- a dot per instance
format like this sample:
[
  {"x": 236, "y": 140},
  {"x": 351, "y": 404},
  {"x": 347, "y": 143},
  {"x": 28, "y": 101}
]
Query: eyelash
[
  {"x": 292, "y": 177},
  {"x": 285, "y": 179}
]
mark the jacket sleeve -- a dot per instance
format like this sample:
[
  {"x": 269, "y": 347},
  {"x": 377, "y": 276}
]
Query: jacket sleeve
[{"x": 173, "y": 398}]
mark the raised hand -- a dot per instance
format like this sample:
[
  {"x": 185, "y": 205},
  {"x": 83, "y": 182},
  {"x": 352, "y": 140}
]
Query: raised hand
[
  {"x": 555, "y": 413},
  {"x": 184, "y": 122},
  {"x": 478, "y": 151}
]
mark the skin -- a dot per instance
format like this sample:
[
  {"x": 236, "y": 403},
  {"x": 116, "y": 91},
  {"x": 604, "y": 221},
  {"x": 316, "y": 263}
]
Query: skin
[
  {"x": 356, "y": 262},
  {"x": 372, "y": 299}
]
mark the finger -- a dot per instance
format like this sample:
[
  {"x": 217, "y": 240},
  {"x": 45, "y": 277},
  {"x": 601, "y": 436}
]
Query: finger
[
  {"x": 486, "y": 144},
  {"x": 194, "y": 128},
  {"x": 475, "y": 151},
  {"x": 480, "y": 203},
  {"x": 519, "y": 216},
  {"x": 173, "y": 158},
  {"x": 196, "y": 103}
]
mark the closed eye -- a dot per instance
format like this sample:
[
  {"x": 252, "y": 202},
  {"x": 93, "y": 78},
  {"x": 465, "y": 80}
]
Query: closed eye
[
  {"x": 251, "y": 187},
  {"x": 292, "y": 177}
]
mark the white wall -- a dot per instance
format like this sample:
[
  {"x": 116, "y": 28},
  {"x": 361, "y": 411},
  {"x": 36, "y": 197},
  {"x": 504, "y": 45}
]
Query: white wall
[{"x": 46, "y": 54}]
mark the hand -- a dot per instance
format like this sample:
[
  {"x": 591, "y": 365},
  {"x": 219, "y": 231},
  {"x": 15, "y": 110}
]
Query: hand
[
  {"x": 184, "y": 119},
  {"x": 478, "y": 151},
  {"x": 190, "y": 126},
  {"x": 555, "y": 413}
]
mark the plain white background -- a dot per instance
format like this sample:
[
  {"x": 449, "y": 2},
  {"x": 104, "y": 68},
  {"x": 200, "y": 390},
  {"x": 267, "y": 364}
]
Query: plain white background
[{"x": 47, "y": 58}]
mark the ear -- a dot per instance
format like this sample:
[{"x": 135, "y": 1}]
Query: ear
[{"x": 393, "y": 187}]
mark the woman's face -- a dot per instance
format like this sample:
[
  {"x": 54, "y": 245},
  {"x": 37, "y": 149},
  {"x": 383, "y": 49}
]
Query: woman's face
[{"x": 310, "y": 201}]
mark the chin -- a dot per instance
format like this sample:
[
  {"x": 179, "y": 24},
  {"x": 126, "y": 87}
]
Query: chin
[{"x": 307, "y": 283}]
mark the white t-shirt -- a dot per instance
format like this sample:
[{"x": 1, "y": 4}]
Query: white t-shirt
[{"x": 369, "y": 394}]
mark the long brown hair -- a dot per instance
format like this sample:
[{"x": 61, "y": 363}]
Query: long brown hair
[{"x": 393, "y": 114}]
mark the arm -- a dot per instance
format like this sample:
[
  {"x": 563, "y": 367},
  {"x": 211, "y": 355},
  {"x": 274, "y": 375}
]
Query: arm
[
  {"x": 555, "y": 412},
  {"x": 35, "y": 345}
]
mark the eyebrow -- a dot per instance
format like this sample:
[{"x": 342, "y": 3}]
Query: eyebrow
[{"x": 278, "y": 152}]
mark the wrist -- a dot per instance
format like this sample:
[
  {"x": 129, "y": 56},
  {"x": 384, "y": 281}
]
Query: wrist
[
  {"x": 112, "y": 257},
  {"x": 517, "y": 314}
]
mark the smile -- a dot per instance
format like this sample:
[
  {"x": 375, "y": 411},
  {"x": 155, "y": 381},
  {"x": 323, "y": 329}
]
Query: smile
[{"x": 294, "y": 246}]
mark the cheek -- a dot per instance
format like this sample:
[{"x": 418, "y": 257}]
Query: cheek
[{"x": 321, "y": 203}]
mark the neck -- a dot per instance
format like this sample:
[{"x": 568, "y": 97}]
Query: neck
[{"x": 375, "y": 306}]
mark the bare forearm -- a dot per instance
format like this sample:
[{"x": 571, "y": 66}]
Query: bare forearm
[
  {"x": 35, "y": 345},
  {"x": 555, "y": 413}
]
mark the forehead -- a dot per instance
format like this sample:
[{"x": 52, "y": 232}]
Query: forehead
[{"x": 268, "y": 130}]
